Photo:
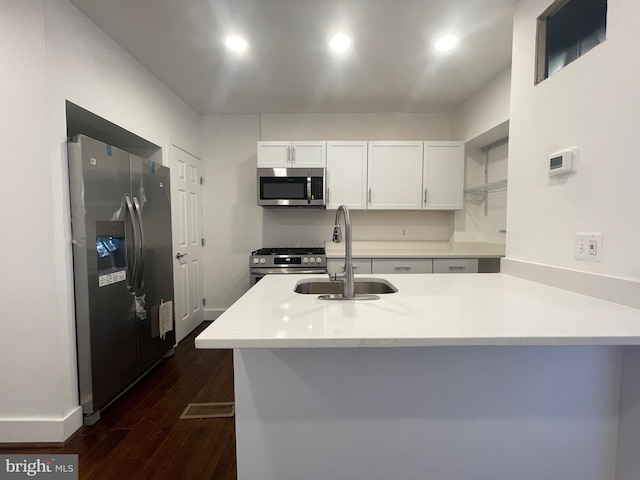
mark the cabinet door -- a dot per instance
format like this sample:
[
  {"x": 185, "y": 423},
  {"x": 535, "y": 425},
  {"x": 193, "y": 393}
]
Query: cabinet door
[
  {"x": 455, "y": 265},
  {"x": 308, "y": 154},
  {"x": 360, "y": 265},
  {"x": 395, "y": 175},
  {"x": 404, "y": 265},
  {"x": 274, "y": 154},
  {"x": 347, "y": 175},
  {"x": 443, "y": 180}
]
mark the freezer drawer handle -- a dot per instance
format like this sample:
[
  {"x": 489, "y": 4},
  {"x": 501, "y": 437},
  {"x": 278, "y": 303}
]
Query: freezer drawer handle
[{"x": 180, "y": 255}]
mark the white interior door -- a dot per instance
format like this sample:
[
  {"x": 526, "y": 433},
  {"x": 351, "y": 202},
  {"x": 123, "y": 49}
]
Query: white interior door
[{"x": 186, "y": 211}]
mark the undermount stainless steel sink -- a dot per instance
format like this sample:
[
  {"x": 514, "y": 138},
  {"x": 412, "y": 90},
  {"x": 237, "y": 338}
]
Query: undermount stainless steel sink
[
  {"x": 332, "y": 290},
  {"x": 344, "y": 286}
]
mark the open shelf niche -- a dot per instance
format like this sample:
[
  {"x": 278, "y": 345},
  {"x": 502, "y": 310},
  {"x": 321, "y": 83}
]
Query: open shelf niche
[{"x": 487, "y": 143}]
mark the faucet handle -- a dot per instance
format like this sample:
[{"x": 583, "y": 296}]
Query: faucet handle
[{"x": 337, "y": 234}]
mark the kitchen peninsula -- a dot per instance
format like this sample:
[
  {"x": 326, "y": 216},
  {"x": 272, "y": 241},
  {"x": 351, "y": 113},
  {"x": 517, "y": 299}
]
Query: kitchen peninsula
[{"x": 476, "y": 376}]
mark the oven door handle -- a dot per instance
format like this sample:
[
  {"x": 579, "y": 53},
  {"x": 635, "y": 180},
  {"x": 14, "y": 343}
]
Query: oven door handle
[{"x": 302, "y": 271}]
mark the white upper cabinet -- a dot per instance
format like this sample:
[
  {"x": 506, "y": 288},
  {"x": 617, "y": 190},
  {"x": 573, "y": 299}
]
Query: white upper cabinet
[
  {"x": 389, "y": 175},
  {"x": 347, "y": 175},
  {"x": 395, "y": 176},
  {"x": 273, "y": 154},
  {"x": 443, "y": 172}
]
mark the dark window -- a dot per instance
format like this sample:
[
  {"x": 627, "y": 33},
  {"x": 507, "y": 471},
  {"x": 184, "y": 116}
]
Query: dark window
[{"x": 567, "y": 30}]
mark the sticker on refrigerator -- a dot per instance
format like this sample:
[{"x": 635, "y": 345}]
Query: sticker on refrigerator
[{"x": 111, "y": 278}]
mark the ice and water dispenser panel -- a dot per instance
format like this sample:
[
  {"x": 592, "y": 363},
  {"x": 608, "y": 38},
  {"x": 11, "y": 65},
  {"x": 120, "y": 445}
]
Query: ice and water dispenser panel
[{"x": 111, "y": 251}]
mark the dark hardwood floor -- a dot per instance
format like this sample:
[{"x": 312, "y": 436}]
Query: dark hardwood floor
[{"x": 141, "y": 436}]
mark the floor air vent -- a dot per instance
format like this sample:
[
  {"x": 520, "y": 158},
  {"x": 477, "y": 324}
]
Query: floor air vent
[{"x": 209, "y": 410}]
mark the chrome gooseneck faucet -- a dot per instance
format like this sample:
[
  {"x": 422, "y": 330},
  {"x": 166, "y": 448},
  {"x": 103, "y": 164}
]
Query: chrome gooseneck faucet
[{"x": 346, "y": 277}]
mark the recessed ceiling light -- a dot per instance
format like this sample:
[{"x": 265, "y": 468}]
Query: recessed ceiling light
[
  {"x": 235, "y": 43},
  {"x": 340, "y": 43},
  {"x": 446, "y": 43}
]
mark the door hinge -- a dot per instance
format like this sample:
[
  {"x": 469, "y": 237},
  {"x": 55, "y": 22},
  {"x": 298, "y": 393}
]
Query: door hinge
[
  {"x": 201, "y": 180},
  {"x": 202, "y": 242},
  {"x": 204, "y": 302}
]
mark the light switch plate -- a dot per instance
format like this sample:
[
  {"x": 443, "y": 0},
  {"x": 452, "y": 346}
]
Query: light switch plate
[{"x": 588, "y": 247}]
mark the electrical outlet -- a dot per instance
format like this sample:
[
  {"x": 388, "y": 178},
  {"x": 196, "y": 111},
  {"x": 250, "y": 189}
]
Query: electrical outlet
[
  {"x": 588, "y": 247},
  {"x": 403, "y": 231}
]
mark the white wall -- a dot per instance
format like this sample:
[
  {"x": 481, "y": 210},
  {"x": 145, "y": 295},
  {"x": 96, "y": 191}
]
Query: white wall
[
  {"x": 232, "y": 220},
  {"x": 481, "y": 120},
  {"x": 53, "y": 53},
  {"x": 355, "y": 126},
  {"x": 235, "y": 225},
  {"x": 593, "y": 104},
  {"x": 485, "y": 109},
  {"x": 34, "y": 373}
]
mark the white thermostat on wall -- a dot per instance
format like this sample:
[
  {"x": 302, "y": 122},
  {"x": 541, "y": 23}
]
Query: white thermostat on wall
[{"x": 565, "y": 161}]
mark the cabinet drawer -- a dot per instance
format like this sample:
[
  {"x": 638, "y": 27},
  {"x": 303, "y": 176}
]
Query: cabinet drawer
[
  {"x": 360, "y": 265},
  {"x": 455, "y": 265},
  {"x": 407, "y": 265}
]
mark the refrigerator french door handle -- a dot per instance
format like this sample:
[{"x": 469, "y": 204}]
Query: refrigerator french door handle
[
  {"x": 131, "y": 276},
  {"x": 141, "y": 246}
]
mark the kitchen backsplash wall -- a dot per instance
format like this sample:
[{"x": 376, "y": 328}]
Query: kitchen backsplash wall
[{"x": 295, "y": 227}]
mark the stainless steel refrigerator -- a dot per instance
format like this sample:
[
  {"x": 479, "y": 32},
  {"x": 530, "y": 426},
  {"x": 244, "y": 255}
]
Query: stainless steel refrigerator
[{"x": 122, "y": 259}]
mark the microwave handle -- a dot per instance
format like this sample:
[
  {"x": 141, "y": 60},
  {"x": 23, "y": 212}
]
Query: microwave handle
[{"x": 309, "y": 189}]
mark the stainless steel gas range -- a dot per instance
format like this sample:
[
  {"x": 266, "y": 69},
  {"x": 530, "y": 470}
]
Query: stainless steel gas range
[{"x": 286, "y": 261}]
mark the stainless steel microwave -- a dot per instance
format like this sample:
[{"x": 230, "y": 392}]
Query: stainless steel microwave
[{"x": 291, "y": 187}]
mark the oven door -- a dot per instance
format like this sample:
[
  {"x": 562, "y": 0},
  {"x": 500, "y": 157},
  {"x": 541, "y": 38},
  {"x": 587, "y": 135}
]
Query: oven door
[
  {"x": 256, "y": 274},
  {"x": 291, "y": 187}
]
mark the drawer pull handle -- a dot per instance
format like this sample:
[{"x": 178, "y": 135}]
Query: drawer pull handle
[
  {"x": 398, "y": 267},
  {"x": 457, "y": 267}
]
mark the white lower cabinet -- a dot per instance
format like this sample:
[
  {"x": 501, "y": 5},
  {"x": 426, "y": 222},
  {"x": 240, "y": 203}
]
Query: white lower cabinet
[
  {"x": 401, "y": 265},
  {"x": 408, "y": 265},
  {"x": 455, "y": 265},
  {"x": 360, "y": 265}
]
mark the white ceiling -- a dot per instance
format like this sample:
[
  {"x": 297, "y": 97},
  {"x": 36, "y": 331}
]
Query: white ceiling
[{"x": 288, "y": 68}]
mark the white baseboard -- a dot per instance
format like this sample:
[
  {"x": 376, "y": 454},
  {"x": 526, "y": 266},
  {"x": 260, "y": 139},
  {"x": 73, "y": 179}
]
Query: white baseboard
[
  {"x": 211, "y": 314},
  {"x": 40, "y": 430},
  {"x": 624, "y": 291}
]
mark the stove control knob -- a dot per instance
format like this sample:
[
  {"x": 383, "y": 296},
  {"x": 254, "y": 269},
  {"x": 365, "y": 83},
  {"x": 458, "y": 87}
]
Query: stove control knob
[
  {"x": 255, "y": 260},
  {"x": 312, "y": 260},
  {"x": 318, "y": 260},
  {"x": 305, "y": 260},
  {"x": 262, "y": 260}
]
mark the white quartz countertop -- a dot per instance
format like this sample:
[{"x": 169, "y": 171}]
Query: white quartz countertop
[
  {"x": 428, "y": 310},
  {"x": 416, "y": 249}
]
